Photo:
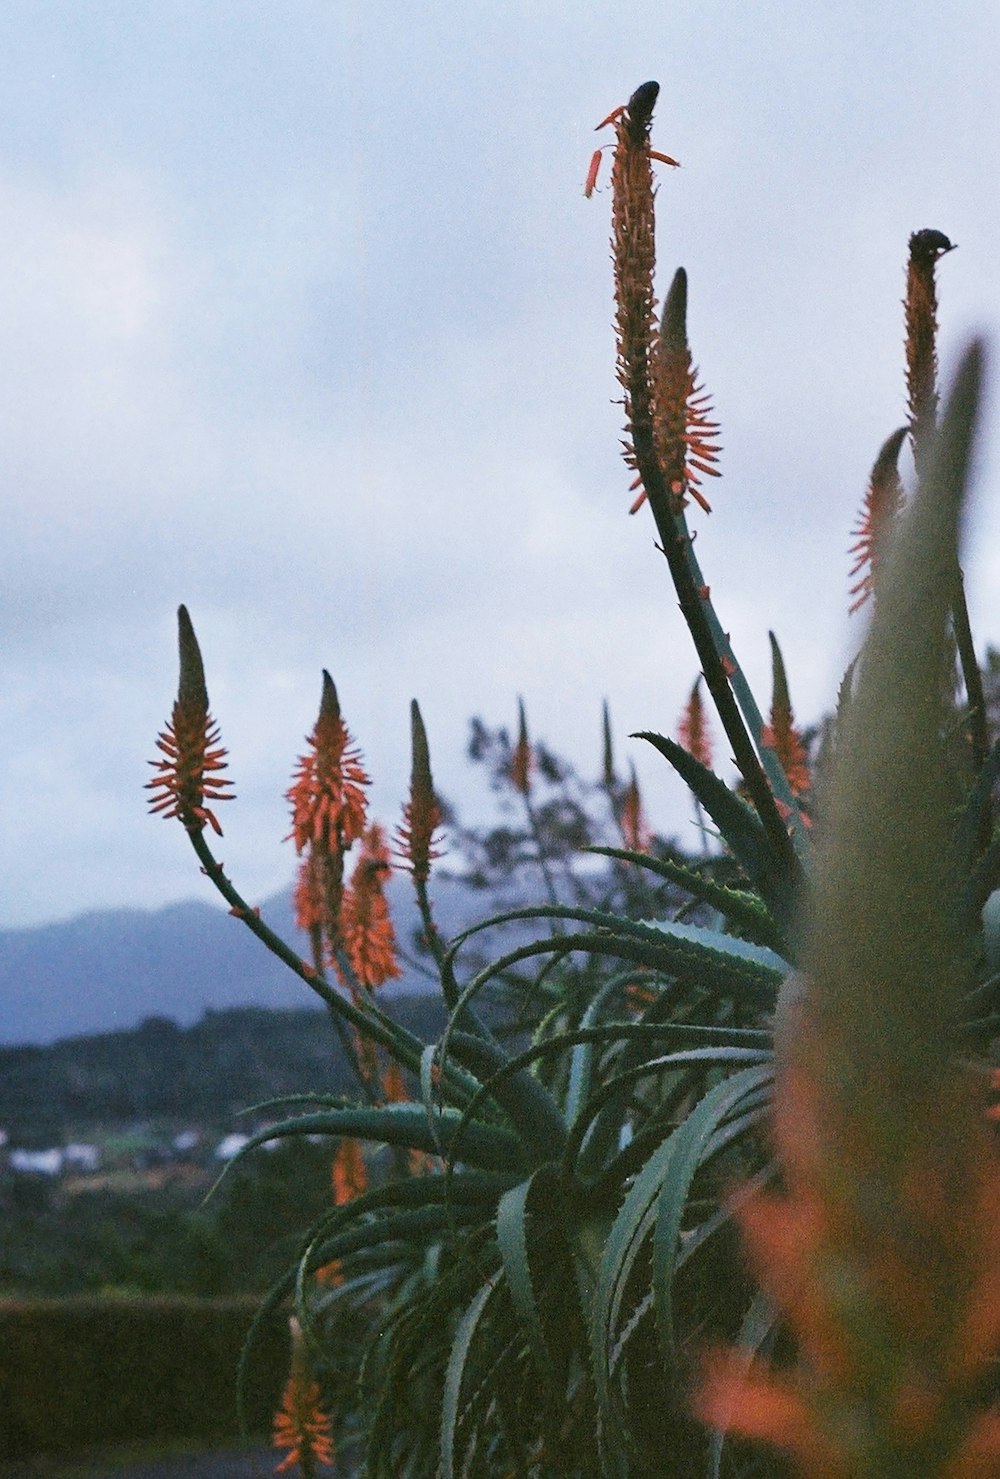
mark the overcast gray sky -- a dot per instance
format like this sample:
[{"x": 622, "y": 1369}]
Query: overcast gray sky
[{"x": 304, "y": 321}]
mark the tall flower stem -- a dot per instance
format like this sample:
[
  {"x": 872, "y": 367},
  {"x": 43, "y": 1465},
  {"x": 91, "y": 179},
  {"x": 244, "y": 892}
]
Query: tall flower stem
[
  {"x": 416, "y": 838},
  {"x": 925, "y": 250},
  {"x": 723, "y": 674},
  {"x": 971, "y": 675},
  {"x": 743, "y": 694},
  {"x": 371, "y": 1022},
  {"x": 633, "y": 247}
]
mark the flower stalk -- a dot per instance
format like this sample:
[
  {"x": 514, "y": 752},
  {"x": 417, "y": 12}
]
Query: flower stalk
[
  {"x": 417, "y": 843},
  {"x": 648, "y": 452}
]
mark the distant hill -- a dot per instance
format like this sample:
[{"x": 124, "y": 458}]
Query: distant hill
[
  {"x": 204, "y": 1074},
  {"x": 110, "y": 969}
]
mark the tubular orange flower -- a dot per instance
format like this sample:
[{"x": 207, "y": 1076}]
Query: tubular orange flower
[
  {"x": 883, "y": 501},
  {"x": 632, "y": 226},
  {"x": 309, "y": 902},
  {"x": 349, "y": 1173},
  {"x": 300, "y": 1424},
  {"x": 415, "y": 840},
  {"x": 692, "y": 731},
  {"x": 633, "y": 252},
  {"x": 365, "y": 925},
  {"x": 190, "y": 774},
  {"x": 328, "y": 803}
]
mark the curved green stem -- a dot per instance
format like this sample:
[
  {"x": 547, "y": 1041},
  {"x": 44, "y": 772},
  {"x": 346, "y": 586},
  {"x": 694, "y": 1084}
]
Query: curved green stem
[{"x": 402, "y": 1045}]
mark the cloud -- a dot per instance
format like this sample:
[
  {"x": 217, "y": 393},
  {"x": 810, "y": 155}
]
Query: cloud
[{"x": 304, "y": 322}]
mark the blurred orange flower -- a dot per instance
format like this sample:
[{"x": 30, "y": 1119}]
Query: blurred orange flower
[
  {"x": 300, "y": 1424},
  {"x": 366, "y": 928}
]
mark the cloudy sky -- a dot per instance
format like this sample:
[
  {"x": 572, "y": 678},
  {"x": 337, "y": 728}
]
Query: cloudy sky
[{"x": 304, "y": 321}]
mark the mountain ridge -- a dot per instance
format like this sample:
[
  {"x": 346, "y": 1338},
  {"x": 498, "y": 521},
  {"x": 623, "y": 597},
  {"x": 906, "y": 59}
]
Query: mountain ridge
[{"x": 107, "y": 970}]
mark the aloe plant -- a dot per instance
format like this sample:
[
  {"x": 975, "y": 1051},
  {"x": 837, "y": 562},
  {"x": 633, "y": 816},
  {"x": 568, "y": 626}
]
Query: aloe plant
[{"x": 539, "y": 1262}]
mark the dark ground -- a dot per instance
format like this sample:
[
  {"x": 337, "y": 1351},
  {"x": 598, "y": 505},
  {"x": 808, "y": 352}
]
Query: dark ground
[
  {"x": 149, "y": 1463},
  {"x": 228, "y": 1463}
]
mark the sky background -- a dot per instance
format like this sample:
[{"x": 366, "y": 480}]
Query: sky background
[{"x": 304, "y": 322}]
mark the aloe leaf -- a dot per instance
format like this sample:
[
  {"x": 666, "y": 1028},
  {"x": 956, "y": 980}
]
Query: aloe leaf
[
  {"x": 520, "y": 1212},
  {"x": 581, "y": 1066},
  {"x": 490, "y": 1147},
  {"x": 273, "y": 1300},
  {"x": 976, "y": 811},
  {"x": 774, "y": 966},
  {"x": 467, "y": 1189},
  {"x": 745, "y": 911},
  {"x": 458, "y": 1363},
  {"x": 981, "y": 887},
  {"x": 673, "y": 1165},
  {"x": 739, "y": 825},
  {"x": 709, "y": 1129},
  {"x": 527, "y": 1103},
  {"x": 586, "y": 1152},
  {"x": 883, "y": 956},
  {"x": 385, "y": 1232},
  {"x": 429, "y": 1097},
  {"x": 648, "y": 945},
  {"x": 720, "y": 962},
  {"x": 756, "y": 1333}
]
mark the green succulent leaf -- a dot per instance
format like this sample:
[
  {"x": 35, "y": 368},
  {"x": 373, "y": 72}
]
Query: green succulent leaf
[
  {"x": 747, "y": 913},
  {"x": 462, "y": 1386},
  {"x": 487, "y": 1146},
  {"x": 660, "y": 1190},
  {"x": 528, "y": 1224},
  {"x": 739, "y": 825},
  {"x": 530, "y": 1107},
  {"x": 884, "y": 956}
]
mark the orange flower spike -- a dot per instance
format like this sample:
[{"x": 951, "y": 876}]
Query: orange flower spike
[
  {"x": 686, "y": 437},
  {"x": 633, "y": 251},
  {"x": 393, "y": 1084},
  {"x": 883, "y": 501},
  {"x": 781, "y": 734},
  {"x": 300, "y": 1424},
  {"x": 190, "y": 774},
  {"x": 925, "y": 248},
  {"x": 327, "y": 798},
  {"x": 608, "y": 778},
  {"x": 422, "y": 814},
  {"x": 803, "y": 1246},
  {"x": 692, "y": 731},
  {"x": 365, "y": 924},
  {"x": 635, "y": 829},
  {"x": 523, "y": 760},
  {"x": 349, "y": 1173}
]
